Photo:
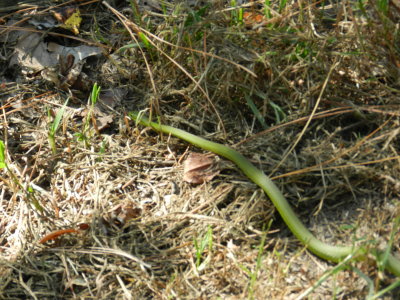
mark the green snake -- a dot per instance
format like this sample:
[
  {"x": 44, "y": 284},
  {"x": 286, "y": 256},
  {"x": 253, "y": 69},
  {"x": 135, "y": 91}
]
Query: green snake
[{"x": 319, "y": 248}]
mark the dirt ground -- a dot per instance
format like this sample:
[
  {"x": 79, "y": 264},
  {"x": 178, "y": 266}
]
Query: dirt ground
[{"x": 96, "y": 206}]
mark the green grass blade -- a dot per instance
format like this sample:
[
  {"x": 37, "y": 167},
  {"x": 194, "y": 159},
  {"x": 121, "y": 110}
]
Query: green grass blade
[
  {"x": 256, "y": 112},
  {"x": 94, "y": 95},
  {"x": 3, "y": 163}
]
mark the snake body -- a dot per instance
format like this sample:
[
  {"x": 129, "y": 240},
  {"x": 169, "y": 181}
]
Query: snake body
[{"x": 319, "y": 248}]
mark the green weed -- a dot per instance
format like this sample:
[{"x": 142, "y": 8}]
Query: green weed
[
  {"x": 338, "y": 268},
  {"x": 382, "y": 262},
  {"x": 391, "y": 287},
  {"x": 282, "y": 5},
  {"x": 54, "y": 127},
  {"x": 267, "y": 9},
  {"x": 254, "y": 274},
  {"x": 85, "y": 135},
  {"x": 206, "y": 242},
  {"x": 256, "y": 112},
  {"x": 236, "y": 14},
  {"x": 29, "y": 192}
]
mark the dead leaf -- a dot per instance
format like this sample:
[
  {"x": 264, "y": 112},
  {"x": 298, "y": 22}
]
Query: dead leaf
[
  {"x": 43, "y": 22},
  {"x": 199, "y": 168},
  {"x": 100, "y": 120},
  {"x": 69, "y": 18},
  {"x": 252, "y": 19},
  {"x": 32, "y": 55},
  {"x": 121, "y": 215},
  {"x": 80, "y": 52},
  {"x": 103, "y": 122},
  {"x": 56, "y": 63},
  {"x": 112, "y": 97}
]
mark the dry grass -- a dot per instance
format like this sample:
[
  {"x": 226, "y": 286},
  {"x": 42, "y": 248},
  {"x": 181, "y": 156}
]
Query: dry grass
[{"x": 325, "y": 83}]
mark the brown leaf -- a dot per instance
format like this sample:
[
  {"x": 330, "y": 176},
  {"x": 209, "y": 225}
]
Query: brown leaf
[
  {"x": 103, "y": 122},
  {"x": 112, "y": 97},
  {"x": 100, "y": 120},
  {"x": 125, "y": 213},
  {"x": 199, "y": 168},
  {"x": 69, "y": 18}
]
